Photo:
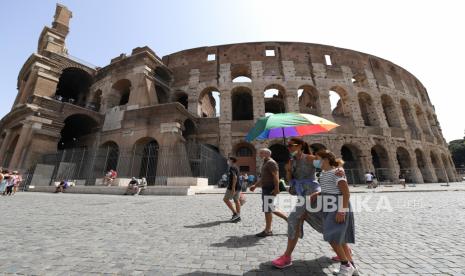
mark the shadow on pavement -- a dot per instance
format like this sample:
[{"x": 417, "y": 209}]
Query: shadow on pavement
[
  {"x": 299, "y": 267},
  {"x": 241, "y": 241},
  {"x": 207, "y": 224}
]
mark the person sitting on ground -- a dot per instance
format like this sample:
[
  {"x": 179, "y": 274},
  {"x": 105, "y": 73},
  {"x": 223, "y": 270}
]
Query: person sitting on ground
[
  {"x": 61, "y": 187},
  {"x": 133, "y": 187},
  {"x": 110, "y": 177}
]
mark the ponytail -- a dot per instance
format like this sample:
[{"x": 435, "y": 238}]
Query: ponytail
[{"x": 333, "y": 161}]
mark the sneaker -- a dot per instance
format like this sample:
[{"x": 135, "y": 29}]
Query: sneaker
[
  {"x": 355, "y": 273},
  {"x": 264, "y": 234},
  {"x": 235, "y": 218},
  {"x": 345, "y": 270},
  {"x": 282, "y": 262}
]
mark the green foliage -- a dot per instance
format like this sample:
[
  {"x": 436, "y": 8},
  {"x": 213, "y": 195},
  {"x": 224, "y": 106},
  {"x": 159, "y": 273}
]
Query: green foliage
[{"x": 457, "y": 148}]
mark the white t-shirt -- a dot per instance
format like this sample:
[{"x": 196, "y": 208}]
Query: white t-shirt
[{"x": 369, "y": 177}]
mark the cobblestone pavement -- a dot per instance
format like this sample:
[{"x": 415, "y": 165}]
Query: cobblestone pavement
[{"x": 72, "y": 234}]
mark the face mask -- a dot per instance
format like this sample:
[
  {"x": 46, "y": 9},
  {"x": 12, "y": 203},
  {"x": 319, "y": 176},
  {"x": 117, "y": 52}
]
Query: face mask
[
  {"x": 317, "y": 163},
  {"x": 294, "y": 153}
]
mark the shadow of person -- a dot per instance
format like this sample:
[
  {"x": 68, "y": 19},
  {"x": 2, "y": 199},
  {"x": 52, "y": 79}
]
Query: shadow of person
[
  {"x": 207, "y": 224},
  {"x": 301, "y": 267},
  {"x": 240, "y": 241}
]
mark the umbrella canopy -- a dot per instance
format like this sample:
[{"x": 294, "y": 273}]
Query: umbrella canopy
[{"x": 285, "y": 125}]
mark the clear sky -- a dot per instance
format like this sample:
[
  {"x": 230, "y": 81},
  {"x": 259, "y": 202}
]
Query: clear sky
[{"x": 424, "y": 37}]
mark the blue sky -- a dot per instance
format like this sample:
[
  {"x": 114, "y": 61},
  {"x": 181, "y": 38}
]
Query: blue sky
[{"x": 424, "y": 38}]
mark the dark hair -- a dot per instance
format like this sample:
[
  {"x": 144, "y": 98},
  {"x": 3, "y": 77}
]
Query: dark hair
[
  {"x": 333, "y": 161},
  {"x": 305, "y": 147},
  {"x": 234, "y": 159}
]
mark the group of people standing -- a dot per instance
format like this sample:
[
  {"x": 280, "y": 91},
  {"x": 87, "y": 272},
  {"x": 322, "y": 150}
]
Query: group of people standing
[
  {"x": 9, "y": 182},
  {"x": 323, "y": 203}
]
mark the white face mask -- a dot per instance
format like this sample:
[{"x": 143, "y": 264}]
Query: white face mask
[{"x": 294, "y": 153}]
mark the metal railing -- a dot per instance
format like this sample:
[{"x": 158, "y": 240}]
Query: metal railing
[{"x": 155, "y": 163}]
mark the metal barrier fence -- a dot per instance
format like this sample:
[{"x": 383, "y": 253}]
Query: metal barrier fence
[
  {"x": 151, "y": 161},
  {"x": 391, "y": 176}
]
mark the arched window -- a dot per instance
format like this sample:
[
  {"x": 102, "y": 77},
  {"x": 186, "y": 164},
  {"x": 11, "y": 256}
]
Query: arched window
[
  {"x": 119, "y": 93},
  {"x": 390, "y": 111},
  {"x": 209, "y": 103},
  {"x": 309, "y": 100},
  {"x": 73, "y": 86},
  {"x": 242, "y": 104},
  {"x": 370, "y": 118},
  {"x": 274, "y": 99}
]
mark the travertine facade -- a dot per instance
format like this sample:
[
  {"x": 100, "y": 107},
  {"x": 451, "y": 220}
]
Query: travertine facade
[{"x": 388, "y": 122}]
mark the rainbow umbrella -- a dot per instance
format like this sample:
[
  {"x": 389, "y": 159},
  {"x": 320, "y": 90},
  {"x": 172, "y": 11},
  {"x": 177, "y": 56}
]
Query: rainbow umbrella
[{"x": 283, "y": 125}]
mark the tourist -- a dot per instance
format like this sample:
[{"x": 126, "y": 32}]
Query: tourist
[
  {"x": 110, "y": 177},
  {"x": 269, "y": 182},
  {"x": 245, "y": 182},
  {"x": 338, "y": 223},
  {"x": 2, "y": 182},
  {"x": 133, "y": 187},
  {"x": 369, "y": 180},
  {"x": 301, "y": 175},
  {"x": 233, "y": 191},
  {"x": 62, "y": 186},
  {"x": 251, "y": 179},
  {"x": 402, "y": 179},
  {"x": 10, "y": 183},
  {"x": 18, "y": 181}
]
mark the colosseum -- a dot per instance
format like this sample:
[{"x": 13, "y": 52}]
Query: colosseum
[{"x": 182, "y": 114}]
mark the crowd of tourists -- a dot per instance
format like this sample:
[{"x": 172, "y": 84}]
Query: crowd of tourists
[
  {"x": 335, "y": 224},
  {"x": 9, "y": 182}
]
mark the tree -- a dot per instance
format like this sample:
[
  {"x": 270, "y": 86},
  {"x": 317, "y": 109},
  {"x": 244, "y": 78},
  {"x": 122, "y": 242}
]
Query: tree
[{"x": 457, "y": 149}]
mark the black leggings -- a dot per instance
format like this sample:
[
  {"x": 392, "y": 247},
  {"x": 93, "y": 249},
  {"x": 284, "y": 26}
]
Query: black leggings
[{"x": 9, "y": 190}]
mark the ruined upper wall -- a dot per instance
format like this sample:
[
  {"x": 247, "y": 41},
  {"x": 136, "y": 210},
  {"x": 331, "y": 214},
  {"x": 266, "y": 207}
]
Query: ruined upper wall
[{"x": 303, "y": 56}]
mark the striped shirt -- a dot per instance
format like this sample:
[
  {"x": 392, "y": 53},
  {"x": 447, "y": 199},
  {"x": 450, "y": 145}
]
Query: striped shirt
[{"x": 329, "y": 180}]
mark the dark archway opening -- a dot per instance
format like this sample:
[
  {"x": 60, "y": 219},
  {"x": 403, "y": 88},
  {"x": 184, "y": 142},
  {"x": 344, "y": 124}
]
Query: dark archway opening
[
  {"x": 242, "y": 106},
  {"x": 148, "y": 167},
  {"x": 76, "y": 127},
  {"x": 352, "y": 165},
  {"x": 73, "y": 86}
]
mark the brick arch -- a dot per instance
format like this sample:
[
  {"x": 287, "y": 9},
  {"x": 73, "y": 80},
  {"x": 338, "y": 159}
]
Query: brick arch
[
  {"x": 246, "y": 156},
  {"x": 368, "y": 109}
]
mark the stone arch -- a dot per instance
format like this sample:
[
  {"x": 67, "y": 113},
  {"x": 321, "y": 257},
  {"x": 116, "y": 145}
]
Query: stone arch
[
  {"x": 405, "y": 163},
  {"x": 448, "y": 167},
  {"x": 351, "y": 154},
  {"x": 422, "y": 165},
  {"x": 309, "y": 100},
  {"x": 241, "y": 73},
  {"x": 438, "y": 168},
  {"x": 381, "y": 163},
  {"x": 111, "y": 151},
  {"x": 433, "y": 126},
  {"x": 10, "y": 151},
  {"x": 73, "y": 86},
  {"x": 146, "y": 159},
  {"x": 242, "y": 104},
  {"x": 390, "y": 111},
  {"x": 182, "y": 98},
  {"x": 76, "y": 128},
  {"x": 120, "y": 92},
  {"x": 409, "y": 119},
  {"x": 367, "y": 109},
  {"x": 246, "y": 157},
  {"x": 339, "y": 99},
  {"x": 280, "y": 154},
  {"x": 422, "y": 120},
  {"x": 275, "y": 99},
  {"x": 208, "y": 103}
]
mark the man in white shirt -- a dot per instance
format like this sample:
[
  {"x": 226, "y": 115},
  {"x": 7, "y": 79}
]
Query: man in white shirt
[{"x": 369, "y": 180}]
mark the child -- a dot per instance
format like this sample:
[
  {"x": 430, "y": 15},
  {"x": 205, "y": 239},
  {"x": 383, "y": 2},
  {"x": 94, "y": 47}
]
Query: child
[{"x": 338, "y": 222}]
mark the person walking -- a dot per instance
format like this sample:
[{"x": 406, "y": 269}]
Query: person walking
[
  {"x": 300, "y": 173},
  {"x": 338, "y": 217},
  {"x": 269, "y": 182},
  {"x": 233, "y": 191},
  {"x": 369, "y": 180}
]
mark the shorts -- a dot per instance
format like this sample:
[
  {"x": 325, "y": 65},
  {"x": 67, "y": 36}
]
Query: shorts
[
  {"x": 268, "y": 198},
  {"x": 228, "y": 195}
]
